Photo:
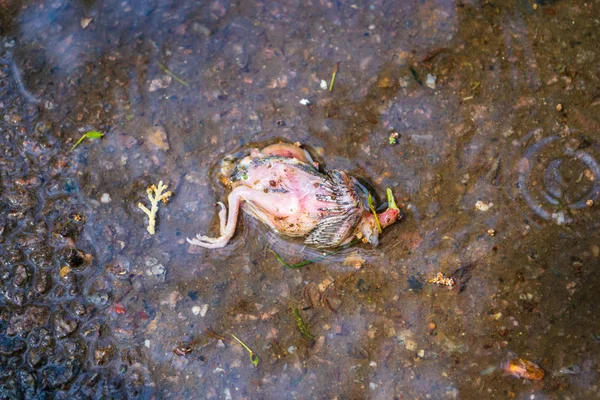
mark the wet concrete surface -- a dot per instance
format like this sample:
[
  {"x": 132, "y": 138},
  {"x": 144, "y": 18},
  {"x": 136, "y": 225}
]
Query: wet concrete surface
[{"x": 496, "y": 106}]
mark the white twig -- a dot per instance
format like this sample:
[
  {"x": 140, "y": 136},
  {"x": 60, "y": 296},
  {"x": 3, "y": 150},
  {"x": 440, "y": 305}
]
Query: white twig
[{"x": 155, "y": 195}]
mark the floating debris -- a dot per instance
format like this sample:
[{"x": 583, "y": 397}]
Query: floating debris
[
  {"x": 441, "y": 280},
  {"x": 88, "y": 135},
  {"x": 305, "y": 102},
  {"x": 521, "y": 368},
  {"x": 393, "y": 139},
  {"x": 19, "y": 80},
  {"x": 155, "y": 195}
]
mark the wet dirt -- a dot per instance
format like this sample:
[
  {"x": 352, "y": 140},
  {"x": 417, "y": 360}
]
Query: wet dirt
[{"x": 496, "y": 166}]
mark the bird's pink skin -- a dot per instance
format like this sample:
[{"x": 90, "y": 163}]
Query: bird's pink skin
[{"x": 280, "y": 186}]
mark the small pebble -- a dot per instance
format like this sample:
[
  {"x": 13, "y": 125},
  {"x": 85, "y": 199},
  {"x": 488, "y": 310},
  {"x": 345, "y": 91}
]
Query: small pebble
[
  {"x": 421, "y": 353},
  {"x": 431, "y": 326},
  {"x": 491, "y": 232},
  {"x": 196, "y": 310},
  {"x": 204, "y": 310},
  {"x": 323, "y": 84},
  {"x": 410, "y": 345},
  {"x": 559, "y": 107},
  {"x": 590, "y": 203},
  {"x": 158, "y": 270},
  {"x": 481, "y": 206},
  {"x": 105, "y": 199},
  {"x": 155, "y": 267},
  {"x": 430, "y": 81},
  {"x": 305, "y": 102},
  {"x": 84, "y": 22},
  {"x": 559, "y": 218},
  {"x": 147, "y": 343}
]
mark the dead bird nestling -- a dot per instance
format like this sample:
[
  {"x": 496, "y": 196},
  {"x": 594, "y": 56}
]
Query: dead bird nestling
[{"x": 282, "y": 187}]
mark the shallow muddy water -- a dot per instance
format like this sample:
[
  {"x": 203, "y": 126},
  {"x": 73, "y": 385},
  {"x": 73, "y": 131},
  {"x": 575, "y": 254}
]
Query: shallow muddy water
[{"x": 495, "y": 167}]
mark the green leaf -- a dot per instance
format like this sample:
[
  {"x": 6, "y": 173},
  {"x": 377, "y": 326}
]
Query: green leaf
[
  {"x": 88, "y": 135},
  {"x": 390, "y": 199},
  {"x": 302, "y": 327},
  {"x": 93, "y": 135}
]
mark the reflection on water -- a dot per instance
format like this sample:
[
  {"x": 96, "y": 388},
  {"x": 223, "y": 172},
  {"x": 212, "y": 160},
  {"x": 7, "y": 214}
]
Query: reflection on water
[{"x": 492, "y": 102}]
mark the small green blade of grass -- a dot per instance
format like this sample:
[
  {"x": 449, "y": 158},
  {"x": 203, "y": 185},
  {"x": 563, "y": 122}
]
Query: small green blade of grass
[
  {"x": 171, "y": 74},
  {"x": 253, "y": 357},
  {"x": 301, "y": 324},
  {"x": 88, "y": 135},
  {"x": 372, "y": 208},
  {"x": 336, "y": 69},
  {"x": 307, "y": 262},
  {"x": 292, "y": 266}
]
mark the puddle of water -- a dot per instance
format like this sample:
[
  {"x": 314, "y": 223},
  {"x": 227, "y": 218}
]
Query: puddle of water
[{"x": 94, "y": 306}]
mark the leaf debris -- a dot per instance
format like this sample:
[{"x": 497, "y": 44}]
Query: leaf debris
[
  {"x": 441, "y": 280},
  {"x": 302, "y": 327},
  {"x": 415, "y": 75}
]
